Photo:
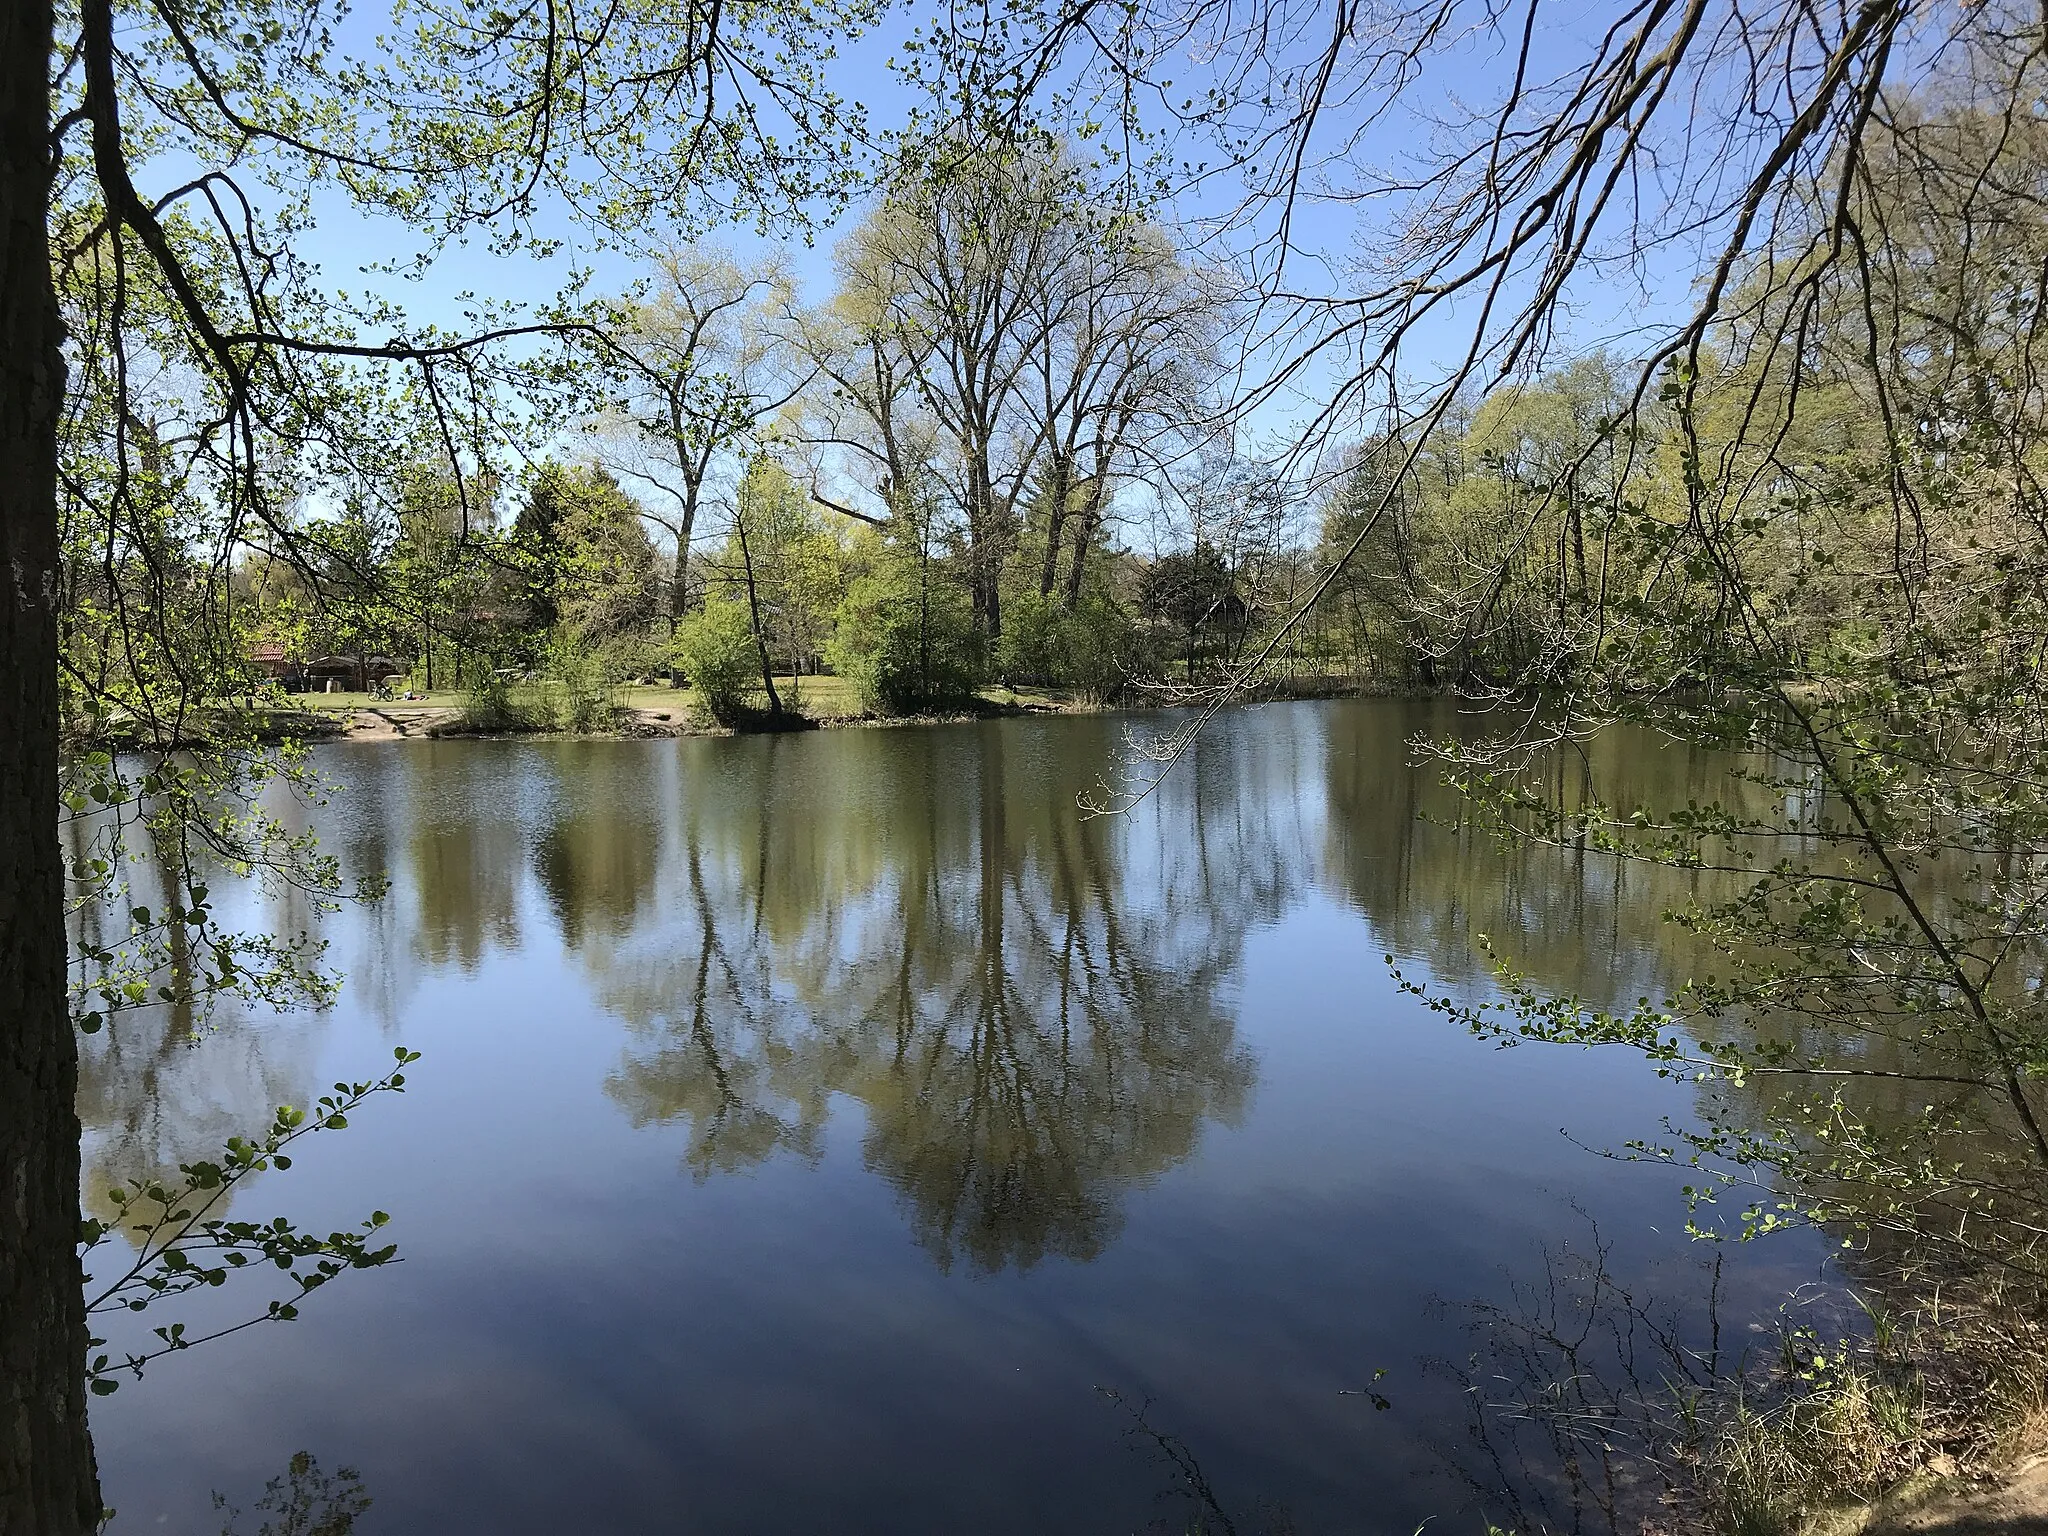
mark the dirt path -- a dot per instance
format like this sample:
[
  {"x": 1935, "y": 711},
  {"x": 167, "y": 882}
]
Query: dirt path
[
  {"x": 393, "y": 724},
  {"x": 2017, "y": 1507}
]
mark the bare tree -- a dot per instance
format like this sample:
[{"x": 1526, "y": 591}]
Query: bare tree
[
  {"x": 700, "y": 367},
  {"x": 1024, "y": 332},
  {"x": 1125, "y": 344},
  {"x": 863, "y": 412},
  {"x": 959, "y": 251}
]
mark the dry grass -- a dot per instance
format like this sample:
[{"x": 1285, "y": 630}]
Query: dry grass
[{"x": 1954, "y": 1380}]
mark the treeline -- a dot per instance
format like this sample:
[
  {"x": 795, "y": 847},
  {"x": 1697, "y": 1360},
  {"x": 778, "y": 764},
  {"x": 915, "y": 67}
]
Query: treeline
[
  {"x": 569, "y": 582},
  {"x": 1522, "y": 535},
  {"x": 999, "y": 454},
  {"x": 927, "y": 484}
]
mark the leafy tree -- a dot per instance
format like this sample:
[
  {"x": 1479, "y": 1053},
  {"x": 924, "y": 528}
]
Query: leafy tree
[
  {"x": 905, "y": 634},
  {"x": 716, "y": 649},
  {"x": 605, "y": 578},
  {"x": 434, "y": 573},
  {"x": 1009, "y": 331},
  {"x": 1192, "y": 590},
  {"x": 1094, "y": 646},
  {"x": 796, "y": 562},
  {"x": 590, "y": 567},
  {"x": 698, "y": 371},
  {"x": 151, "y": 295}
]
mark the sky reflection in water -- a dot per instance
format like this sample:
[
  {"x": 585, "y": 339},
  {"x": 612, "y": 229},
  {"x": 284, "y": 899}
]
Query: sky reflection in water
[{"x": 809, "y": 1125}]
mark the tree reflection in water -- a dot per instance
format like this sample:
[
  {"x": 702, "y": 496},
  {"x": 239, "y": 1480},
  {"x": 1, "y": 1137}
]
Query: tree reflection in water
[
  {"x": 1033, "y": 1014},
  {"x": 303, "y": 1501},
  {"x": 1036, "y": 1011},
  {"x": 924, "y": 924}
]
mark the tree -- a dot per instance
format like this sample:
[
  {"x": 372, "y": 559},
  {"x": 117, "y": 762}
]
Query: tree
[
  {"x": 718, "y": 651},
  {"x": 698, "y": 366},
  {"x": 593, "y": 564},
  {"x": 47, "y": 1478},
  {"x": 796, "y": 582},
  {"x": 1027, "y": 330},
  {"x": 905, "y": 633},
  {"x": 435, "y": 569},
  {"x": 192, "y": 281},
  {"x": 1190, "y": 590},
  {"x": 1481, "y": 561},
  {"x": 1125, "y": 337}
]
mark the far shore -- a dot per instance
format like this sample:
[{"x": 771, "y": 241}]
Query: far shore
[
  {"x": 652, "y": 709},
  {"x": 823, "y": 702},
  {"x": 656, "y": 710}
]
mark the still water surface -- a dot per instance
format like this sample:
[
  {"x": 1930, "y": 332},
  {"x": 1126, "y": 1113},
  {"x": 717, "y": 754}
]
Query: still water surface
[{"x": 810, "y": 1127}]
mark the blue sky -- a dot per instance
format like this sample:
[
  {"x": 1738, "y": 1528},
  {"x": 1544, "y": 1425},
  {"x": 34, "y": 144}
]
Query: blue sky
[
  {"x": 1331, "y": 236},
  {"x": 1328, "y": 235}
]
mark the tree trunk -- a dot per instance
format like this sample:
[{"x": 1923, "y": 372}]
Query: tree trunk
[
  {"x": 754, "y": 616},
  {"x": 1086, "y": 522},
  {"x": 978, "y": 540},
  {"x": 1055, "y": 525},
  {"x": 679, "y": 588},
  {"x": 48, "y": 1483}
]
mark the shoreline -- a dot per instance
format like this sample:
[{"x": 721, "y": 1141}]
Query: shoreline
[
  {"x": 643, "y": 714},
  {"x": 643, "y": 722}
]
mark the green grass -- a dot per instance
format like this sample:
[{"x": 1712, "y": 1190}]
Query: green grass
[{"x": 821, "y": 698}]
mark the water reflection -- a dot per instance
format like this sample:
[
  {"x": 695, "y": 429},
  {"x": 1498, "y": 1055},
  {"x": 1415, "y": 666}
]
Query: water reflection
[
  {"x": 712, "y": 1025},
  {"x": 1035, "y": 1011},
  {"x": 167, "y": 1083},
  {"x": 302, "y": 1501},
  {"x": 922, "y": 924},
  {"x": 1400, "y": 847}
]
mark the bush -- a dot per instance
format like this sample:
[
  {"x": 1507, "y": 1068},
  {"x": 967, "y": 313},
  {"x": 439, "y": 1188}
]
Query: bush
[
  {"x": 1093, "y": 649},
  {"x": 715, "y": 648},
  {"x": 581, "y": 699},
  {"x": 494, "y": 704},
  {"x": 1032, "y": 648},
  {"x": 907, "y": 650},
  {"x": 1104, "y": 649}
]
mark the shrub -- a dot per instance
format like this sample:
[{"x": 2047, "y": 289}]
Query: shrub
[
  {"x": 907, "y": 650},
  {"x": 1103, "y": 648},
  {"x": 1032, "y": 648},
  {"x": 581, "y": 698},
  {"x": 494, "y": 704},
  {"x": 715, "y": 648},
  {"x": 1095, "y": 648}
]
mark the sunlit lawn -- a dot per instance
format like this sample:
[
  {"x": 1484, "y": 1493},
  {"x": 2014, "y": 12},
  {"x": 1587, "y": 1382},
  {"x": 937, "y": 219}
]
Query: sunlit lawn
[
  {"x": 822, "y": 698},
  {"x": 342, "y": 703}
]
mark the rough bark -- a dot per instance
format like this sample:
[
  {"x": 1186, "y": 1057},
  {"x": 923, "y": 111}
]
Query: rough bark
[
  {"x": 1058, "y": 495},
  {"x": 679, "y": 592},
  {"x": 48, "y": 1483}
]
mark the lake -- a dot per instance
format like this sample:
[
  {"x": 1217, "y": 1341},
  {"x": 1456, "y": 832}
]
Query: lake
[{"x": 839, "y": 1132}]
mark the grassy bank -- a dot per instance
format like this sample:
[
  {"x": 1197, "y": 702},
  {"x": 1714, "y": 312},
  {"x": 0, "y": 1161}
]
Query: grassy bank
[
  {"x": 643, "y": 709},
  {"x": 1928, "y": 1419}
]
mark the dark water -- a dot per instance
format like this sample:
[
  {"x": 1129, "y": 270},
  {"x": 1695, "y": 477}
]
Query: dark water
[{"x": 809, "y": 1127}]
